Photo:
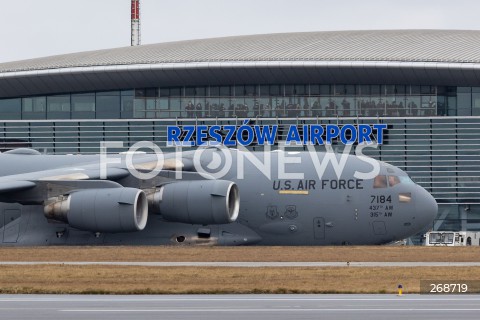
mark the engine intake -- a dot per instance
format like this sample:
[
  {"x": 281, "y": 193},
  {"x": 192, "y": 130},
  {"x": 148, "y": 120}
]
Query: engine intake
[
  {"x": 197, "y": 202},
  {"x": 101, "y": 210}
]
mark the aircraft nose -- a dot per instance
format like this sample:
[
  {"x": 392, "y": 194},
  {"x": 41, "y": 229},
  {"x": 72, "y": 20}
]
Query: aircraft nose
[{"x": 427, "y": 207}]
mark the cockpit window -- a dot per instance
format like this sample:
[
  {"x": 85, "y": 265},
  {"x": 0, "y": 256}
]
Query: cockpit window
[
  {"x": 380, "y": 182},
  {"x": 406, "y": 180},
  {"x": 393, "y": 180}
]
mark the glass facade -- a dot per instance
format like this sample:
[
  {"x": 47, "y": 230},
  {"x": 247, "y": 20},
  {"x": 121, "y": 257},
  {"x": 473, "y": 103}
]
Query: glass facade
[
  {"x": 433, "y": 131},
  {"x": 268, "y": 101}
]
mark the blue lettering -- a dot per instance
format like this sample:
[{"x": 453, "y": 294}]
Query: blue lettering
[
  {"x": 380, "y": 127},
  {"x": 293, "y": 135},
  {"x": 173, "y": 136},
  {"x": 316, "y": 132},
  {"x": 364, "y": 132},
  {"x": 264, "y": 135},
  {"x": 187, "y": 140},
  {"x": 305, "y": 134},
  {"x": 228, "y": 138},
  {"x": 247, "y": 130},
  {"x": 201, "y": 135},
  {"x": 245, "y": 135},
  {"x": 332, "y": 132},
  {"x": 217, "y": 137},
  {"x": 353, "y": 134}
]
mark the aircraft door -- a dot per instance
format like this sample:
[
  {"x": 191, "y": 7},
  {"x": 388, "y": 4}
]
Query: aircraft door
[
  {"x": 379, "y": 228},
  {"x": 11, "y": 225},
  {"x": 319, "y": 228}
]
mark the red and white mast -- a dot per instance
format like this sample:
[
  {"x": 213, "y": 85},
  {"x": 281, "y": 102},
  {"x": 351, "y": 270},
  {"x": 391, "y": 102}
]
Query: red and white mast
[{"x": 135, "y": 39}]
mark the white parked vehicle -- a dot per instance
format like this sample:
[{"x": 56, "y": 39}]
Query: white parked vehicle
[{"x": 452, "y": 238}]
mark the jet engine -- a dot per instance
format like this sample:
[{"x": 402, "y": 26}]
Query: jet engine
[
  {"x": 197, "y": 202},
  {"x": 101, "y": 210}
]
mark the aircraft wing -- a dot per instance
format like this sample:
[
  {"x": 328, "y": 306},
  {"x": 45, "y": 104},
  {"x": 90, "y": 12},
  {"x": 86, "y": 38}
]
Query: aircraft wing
[
  {"x": 91, "y": 171},
  {"x": 25, "y": 181},
  {"x": 11, "y": 186}
]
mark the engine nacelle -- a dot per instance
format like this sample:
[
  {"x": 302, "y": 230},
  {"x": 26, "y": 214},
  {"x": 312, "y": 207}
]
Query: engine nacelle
[
  {"x": 101, "y": 210},
  {"x": 197, "y": 202}
]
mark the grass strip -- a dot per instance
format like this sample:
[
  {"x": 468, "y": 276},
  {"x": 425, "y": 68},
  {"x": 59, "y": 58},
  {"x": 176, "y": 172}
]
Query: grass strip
[
  {"x": 241, "y": 254},
  {"x": 67, "y": 279}
]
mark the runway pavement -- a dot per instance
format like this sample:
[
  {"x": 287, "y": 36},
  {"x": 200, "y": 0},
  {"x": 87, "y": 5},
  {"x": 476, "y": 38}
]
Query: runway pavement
[
  {"x": 249, "y": 307},
  {"x": 249, "y": 264}
]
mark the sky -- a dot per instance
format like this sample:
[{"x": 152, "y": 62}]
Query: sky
[{"x": 37, "y": 28}]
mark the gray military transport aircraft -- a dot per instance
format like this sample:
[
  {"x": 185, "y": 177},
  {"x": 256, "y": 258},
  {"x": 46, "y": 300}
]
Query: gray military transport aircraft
[{"x": 61, "y": 199}]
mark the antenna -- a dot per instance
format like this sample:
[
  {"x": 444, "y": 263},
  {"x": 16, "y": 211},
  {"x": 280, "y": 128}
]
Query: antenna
[{"x": 135, "y": 38}]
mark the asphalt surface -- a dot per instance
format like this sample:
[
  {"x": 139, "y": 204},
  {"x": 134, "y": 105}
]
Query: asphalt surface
[
  {"x": 248, "y": 264},
  {"x": 249, "y": 307}
]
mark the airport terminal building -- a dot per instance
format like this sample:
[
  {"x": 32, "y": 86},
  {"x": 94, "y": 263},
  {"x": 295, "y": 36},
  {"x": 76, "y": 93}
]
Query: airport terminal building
[{"x": 424, "y": 84}]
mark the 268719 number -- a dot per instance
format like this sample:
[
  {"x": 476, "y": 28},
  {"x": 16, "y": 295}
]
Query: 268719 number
[
  {"x": 454, "y": 286},
  {"x": 448, "y": 288}
]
